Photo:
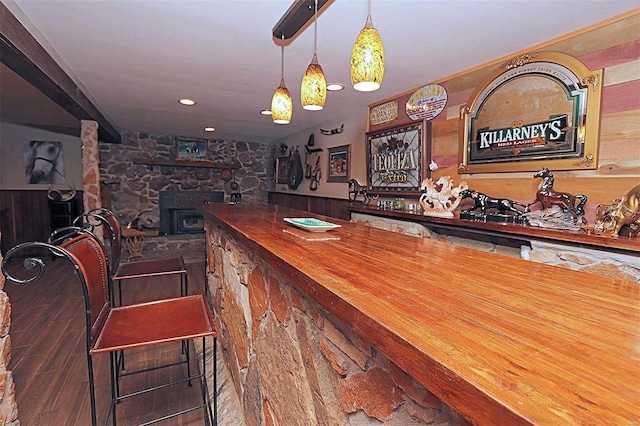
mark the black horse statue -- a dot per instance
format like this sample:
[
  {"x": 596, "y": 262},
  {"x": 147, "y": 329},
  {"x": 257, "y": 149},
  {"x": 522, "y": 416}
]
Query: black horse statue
[
  {"x": 484, "y": 202},
  {"x": 355, "y": 190}
]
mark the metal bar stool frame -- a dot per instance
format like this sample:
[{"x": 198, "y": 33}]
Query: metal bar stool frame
[
  {"x": 146, "y": 268},
  {"x": 110, "y": 329}
]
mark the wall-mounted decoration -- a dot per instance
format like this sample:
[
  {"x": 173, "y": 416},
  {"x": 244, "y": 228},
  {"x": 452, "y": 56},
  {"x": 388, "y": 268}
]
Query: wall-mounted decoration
[
  {"x": 383, "y": 113},
  {"x": 538, "y": 109},
  {"x": 427, "y": 102},
  {"x": 395, "y": 159},
  {"x": 332, "y": 131},
  {"x": 43, "y": 162},
  {"x": 225, "y": 151},
  {"x": 338, "y": 163},
  {"x": 296, "y": 171},
  {"x": 282, "y": 169},
  {"x": 191, "y": 149}
]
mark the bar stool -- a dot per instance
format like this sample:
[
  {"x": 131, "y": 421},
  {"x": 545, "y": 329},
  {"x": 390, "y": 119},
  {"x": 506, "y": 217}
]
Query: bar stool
[
  {"x": 114, "y": 329},
  {"x": 167, "y": 265}
]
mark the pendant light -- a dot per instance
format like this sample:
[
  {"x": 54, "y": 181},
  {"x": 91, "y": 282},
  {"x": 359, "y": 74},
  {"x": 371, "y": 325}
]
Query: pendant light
[
  {"x": 281, "y": 103},
  {"x": 313, "y": 90},
  {"x": 367, "y": 58}
]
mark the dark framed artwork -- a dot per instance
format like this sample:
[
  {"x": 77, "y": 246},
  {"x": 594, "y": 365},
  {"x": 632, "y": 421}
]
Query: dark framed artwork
[
  {"x": 282, "y": 169},
  {"x": 191, "y": 149},
  {"x": 338, "y": 163},
  {"x": 43, "y": 162},
  {"x": 396, "y": 159},
  {"x": 541, "y": 109}
]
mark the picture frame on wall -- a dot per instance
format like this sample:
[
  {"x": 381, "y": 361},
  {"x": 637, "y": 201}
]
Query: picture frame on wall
[
  {"x": 396, "y": 159},
  {"x": 338, "y": 163},
  {"x": 282, "y": 169},
  {"x": 188, "y": 149}
]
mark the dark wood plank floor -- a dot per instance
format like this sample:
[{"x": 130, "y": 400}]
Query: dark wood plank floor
[{"x": 49, "y": 356}]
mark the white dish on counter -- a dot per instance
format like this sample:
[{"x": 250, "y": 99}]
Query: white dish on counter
[{"x": 311, "y": 224}]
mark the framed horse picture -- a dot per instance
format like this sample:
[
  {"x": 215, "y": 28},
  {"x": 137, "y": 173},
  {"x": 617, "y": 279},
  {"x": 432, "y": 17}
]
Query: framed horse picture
[
  {"x": 43, "y": 162},
  {"x": 191, "y": 149},
  {"x": 338, "y": 164}
]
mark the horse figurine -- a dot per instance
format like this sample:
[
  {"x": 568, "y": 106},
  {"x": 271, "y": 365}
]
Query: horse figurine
[
  {"x": 547, "y": 197},
  {"x": 355, "y": 190},
  {"x": 44, "y": 162},
  {"x": 484, "y": 202},
  {"x": 441, "y": 197}
]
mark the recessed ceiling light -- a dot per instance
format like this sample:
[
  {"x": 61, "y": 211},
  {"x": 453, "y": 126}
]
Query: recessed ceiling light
[
  {"x": 334, "y": 87},
  {"x": 186, "y": 101},
  {"x": 209, "y": 129},
  {"x": 265, "y": 112}
]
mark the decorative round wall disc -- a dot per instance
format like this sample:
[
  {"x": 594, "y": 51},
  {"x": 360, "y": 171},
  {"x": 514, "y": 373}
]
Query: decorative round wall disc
[{"x": 226, "y": 174}]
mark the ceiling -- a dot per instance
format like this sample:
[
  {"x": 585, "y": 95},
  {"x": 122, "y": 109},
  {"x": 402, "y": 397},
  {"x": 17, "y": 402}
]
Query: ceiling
[{"x": 135, "y": 59}]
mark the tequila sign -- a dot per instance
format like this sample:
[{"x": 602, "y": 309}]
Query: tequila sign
[{"x": 395, "y": 159}]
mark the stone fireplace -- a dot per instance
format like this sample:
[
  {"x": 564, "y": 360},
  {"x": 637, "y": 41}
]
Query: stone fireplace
[{"x": 179, "y": 213}]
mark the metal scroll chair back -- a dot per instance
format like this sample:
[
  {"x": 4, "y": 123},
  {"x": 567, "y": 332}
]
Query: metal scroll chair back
[
  {"x": 90, "y": 264},
  {"x": 107, "y": 219}
]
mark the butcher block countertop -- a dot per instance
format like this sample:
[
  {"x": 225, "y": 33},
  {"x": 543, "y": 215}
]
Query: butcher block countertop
[{"x": 501, "y": 340}]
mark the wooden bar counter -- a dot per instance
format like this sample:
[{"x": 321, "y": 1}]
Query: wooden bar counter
[{"x": 500, "y": 340}]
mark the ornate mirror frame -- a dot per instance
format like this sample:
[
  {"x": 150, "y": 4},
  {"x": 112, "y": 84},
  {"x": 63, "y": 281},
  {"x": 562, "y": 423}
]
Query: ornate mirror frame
[{"x": 540, "y": 109}]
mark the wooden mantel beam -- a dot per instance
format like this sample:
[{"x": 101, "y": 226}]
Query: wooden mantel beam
[{"x": 21, "y": 52}]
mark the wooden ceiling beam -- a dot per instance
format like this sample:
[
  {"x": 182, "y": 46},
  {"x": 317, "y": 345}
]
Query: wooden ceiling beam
[{"x": 21, "y": 52}]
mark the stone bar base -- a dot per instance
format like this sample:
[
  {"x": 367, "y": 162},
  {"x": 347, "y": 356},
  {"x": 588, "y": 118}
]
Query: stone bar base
[{"x": 293, "y": 363}]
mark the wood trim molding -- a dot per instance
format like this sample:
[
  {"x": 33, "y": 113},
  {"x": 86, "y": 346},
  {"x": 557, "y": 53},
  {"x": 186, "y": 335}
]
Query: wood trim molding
[{"x": 26, "y": 57}]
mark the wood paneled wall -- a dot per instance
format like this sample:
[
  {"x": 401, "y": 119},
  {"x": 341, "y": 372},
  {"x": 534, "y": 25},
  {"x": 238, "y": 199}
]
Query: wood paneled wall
[
  {"x": 25, "y": 216},
  {"x": 614, "y": 46}
]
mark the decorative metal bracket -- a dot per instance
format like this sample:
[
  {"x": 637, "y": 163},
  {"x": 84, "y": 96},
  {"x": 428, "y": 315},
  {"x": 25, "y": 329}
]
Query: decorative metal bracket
[{"x": 520, "y": 60}]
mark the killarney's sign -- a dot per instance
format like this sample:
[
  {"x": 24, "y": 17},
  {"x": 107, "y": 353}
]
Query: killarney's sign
[
  {"x": 395, "y": 159},
  {"x": 496, "y": 142},
  {"x": 538, "y": 110}
]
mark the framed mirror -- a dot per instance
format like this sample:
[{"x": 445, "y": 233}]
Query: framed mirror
[{"x": 538, "y": 110}]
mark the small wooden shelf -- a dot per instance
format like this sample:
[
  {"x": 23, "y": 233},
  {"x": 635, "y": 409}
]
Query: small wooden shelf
[{"x": 186, "y": 163}]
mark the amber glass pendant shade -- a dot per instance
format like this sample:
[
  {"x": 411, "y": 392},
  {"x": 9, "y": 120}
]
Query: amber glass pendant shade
[
  {"x": 367, "y": 59},
  {"x": 313, "y": 91},
  {"x": 281, "y": 105}
]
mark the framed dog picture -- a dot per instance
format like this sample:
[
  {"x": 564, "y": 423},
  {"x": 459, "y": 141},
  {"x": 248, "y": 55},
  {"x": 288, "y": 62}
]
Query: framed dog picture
[
  {"x": 338, "y": 164},
  {"x": 191, "y": 149}
]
